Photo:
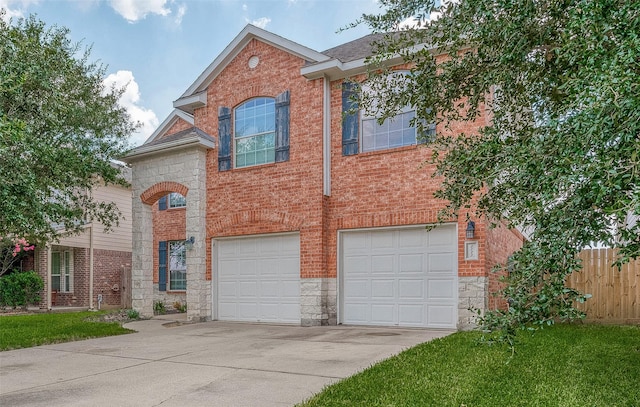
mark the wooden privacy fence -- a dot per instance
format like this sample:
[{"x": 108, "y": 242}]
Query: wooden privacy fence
[{"x": 615, "y": 292}]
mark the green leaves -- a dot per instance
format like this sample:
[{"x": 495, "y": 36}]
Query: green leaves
[
  {"x": 552, "y": 88},
  {"x": 60, "y": 129}
]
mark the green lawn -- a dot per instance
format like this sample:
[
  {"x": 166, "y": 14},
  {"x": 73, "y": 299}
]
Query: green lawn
[
  {"x": 23, "y": 331},
  {"x": 564, "y": 365}
]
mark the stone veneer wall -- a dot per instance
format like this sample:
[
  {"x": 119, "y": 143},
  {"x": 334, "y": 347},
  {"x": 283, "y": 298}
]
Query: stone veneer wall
[
  {"x": 318, "y": 301},
  {"x": 472, "y": 295},
  {"x": 157, "y": 174}
]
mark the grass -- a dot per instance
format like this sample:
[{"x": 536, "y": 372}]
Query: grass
[
  {"x": 24, "y": 331},
  {"x": 563, "y": 365}
]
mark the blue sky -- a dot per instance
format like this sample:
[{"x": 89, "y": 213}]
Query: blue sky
[{"x": 159, "y": 47}]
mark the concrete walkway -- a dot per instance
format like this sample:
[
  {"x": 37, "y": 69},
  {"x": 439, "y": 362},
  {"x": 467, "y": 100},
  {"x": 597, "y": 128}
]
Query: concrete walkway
[{"x": 171, "y": 363}]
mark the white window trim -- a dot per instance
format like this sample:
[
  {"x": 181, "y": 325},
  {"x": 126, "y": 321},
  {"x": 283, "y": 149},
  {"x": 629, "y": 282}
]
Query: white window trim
[
  {"x": 66, "y": 265},
  {"x": 236, "y": 138},
  {"x": 169, "y": 263}
]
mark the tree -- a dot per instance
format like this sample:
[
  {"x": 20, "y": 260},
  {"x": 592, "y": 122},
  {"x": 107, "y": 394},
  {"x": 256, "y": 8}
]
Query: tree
[
  {"x": 60, "y": 130},
  {"x": 560, "y": 155}
]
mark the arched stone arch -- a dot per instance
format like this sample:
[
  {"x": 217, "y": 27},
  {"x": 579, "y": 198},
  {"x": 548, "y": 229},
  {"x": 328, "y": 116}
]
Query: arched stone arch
[{"x": 155, "y": 192}]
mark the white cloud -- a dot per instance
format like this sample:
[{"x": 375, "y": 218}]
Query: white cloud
[
  {"x": 15, "y": 8},
  {"x": 134, "y": 10},
  {"x": 182, "y": 10},
  {"x": 244, "y": 7},
  {"x": 130, "y": 100},
  {"x": 261, "y": 22}
]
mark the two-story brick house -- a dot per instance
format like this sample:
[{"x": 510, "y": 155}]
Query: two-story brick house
[{"x": 258, "y": 199}]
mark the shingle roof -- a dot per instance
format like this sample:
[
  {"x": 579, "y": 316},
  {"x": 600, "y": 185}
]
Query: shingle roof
[
  {"x": 356, "y": 49},
  {"x": 181, "y": 134}
]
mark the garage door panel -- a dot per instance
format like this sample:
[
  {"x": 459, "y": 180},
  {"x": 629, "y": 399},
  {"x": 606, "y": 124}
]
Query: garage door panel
[
  {"x": 411, "y": 263},
  {"x": 357, "y": 288},
  {"x": 411, "y": 314},
  {"x": 442, "y": 289},
  {"x": 358, "y": 264},
  {"x": 247, "y": 289},
  {"x": 382, "y": 314},
  {"x": 356, "y": 313},
  {"x": 382, "y": 289},
  {"x": 441, "y": 262},
  {"x": 259, "y": 279},
  {"x": 381, "y": 264},
  {"x": 403, "y": 276},
  {"x": 441, "y": 316},
  {"x": 290, "y": 290},
  {"x": 411, "y": 289},
  {"x": 442, "y": 236},
  {"x": 412, "y": 238},
  {"x": 383, "y": 240}
]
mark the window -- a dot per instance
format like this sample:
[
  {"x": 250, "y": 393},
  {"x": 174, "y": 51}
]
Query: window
[
  {"x": 176, "y": 200},
  {"x": 177, "y": 266},
  {"x": 361, "y": 130},
  {"x": 254, "y": 132},
  {"x": 394, "y": 132},
  {"x": 62, "y": 271}
]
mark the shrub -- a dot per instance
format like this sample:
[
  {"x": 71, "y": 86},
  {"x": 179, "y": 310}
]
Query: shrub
[
  {"x": 133, "y": 314},
  {"x": 180, "y": 307},
  {"x": 20, "y": 289},
  {"x": 158, "y": 308}
]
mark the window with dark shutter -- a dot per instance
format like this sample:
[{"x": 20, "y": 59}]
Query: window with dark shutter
[
  {"x": 349, "y": 119},
  {"x": 282, "y": 127},
  {"x": 162, "y": 266},
  {"x": 224, "y": 139}
]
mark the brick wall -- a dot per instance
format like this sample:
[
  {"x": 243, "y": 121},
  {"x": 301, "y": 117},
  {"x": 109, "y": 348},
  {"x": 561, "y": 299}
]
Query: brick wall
[
  {"x": 274, "y": 197},
  {"x": 107, "y": 268},
  {"x": 501, "y": 242},
  {"x": 107, "y": 265}
]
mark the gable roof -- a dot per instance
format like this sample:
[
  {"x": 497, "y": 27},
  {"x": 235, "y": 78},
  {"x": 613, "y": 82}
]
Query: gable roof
[
  {"x": 173, "y": 117},
  {"x": 191, "y": 137},
  {"x": 193, "y": 97}
]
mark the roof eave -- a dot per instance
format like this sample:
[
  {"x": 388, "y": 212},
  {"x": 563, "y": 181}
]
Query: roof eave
[
  {"x": 190, "y": 103},
  {"x": 156, "y": 149}
]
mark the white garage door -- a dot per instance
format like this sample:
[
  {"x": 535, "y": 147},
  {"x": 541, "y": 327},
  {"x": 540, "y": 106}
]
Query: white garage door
[
  {"x": 259, "y": 279},
  {"x": 400, "y": 277}
]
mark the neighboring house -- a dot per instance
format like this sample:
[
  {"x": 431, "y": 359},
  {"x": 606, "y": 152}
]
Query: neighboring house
[
  {"x": 260, "y": 199},
  {"x": 91, "y": 269}
]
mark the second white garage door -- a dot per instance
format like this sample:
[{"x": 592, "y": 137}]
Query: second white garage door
[
  {"x": 400, "y": 277},
  {"x": 259, "y": 279}
]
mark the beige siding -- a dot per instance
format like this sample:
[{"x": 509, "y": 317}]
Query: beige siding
[{"x": 120, "y": 238}]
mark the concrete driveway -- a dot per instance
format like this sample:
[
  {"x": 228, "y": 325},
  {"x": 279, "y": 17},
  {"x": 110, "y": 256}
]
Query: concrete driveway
[{"x": 207, "y": 364}]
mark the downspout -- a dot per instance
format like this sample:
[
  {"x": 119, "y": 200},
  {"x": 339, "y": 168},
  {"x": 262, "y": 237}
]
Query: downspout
[
  {"x": 326, "y": 136},
  {"x": 91, "y": 267},
  {"x": 48, "y": 277}
]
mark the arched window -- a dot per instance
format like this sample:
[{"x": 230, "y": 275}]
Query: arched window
[{"x": 254, "y": 129}]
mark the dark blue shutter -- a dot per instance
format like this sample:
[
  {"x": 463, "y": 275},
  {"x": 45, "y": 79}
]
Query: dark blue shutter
[
  {"x": 224, "y": 139},
  {"x": 162, "y": 203},
  {"x": 282, "y": 127},
  {"x": 349, "y": 119},
  {"x": 162, "y": 266}
]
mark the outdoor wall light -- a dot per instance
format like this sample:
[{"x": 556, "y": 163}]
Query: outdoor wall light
[
  {"x": 471, "y": 229},
  {"x": 190, "y": 241}
]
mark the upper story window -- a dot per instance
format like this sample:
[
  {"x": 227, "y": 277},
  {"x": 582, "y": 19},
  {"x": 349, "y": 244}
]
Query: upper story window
[
  {"x": 254, "y": 129},
  {"x": 258, "y": 134},
  {"x": 396, "y": 131},
  {"x": 176, "y": 200},
  {"x": 361, "y": 131}
]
